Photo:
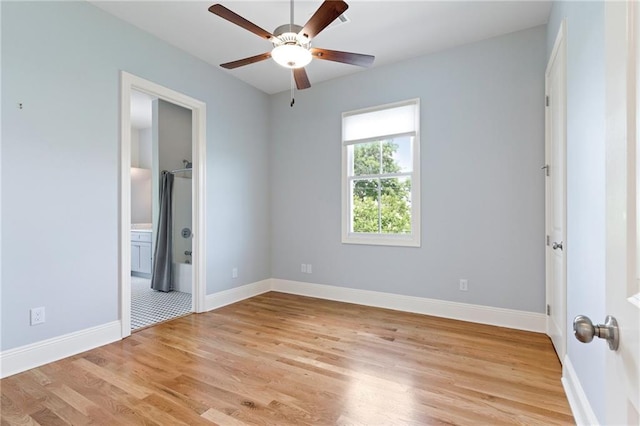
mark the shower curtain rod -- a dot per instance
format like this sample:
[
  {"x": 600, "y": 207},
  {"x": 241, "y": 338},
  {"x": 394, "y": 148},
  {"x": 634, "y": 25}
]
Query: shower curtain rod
[{"x": 181, "y": 170}]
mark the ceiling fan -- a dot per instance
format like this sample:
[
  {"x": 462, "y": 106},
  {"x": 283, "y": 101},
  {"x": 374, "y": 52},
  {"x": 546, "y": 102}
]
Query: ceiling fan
[{"x": 292, "y": 43}]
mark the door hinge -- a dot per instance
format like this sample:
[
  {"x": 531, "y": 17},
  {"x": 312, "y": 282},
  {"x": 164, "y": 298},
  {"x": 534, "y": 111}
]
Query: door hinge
[
  {"x": 548, "y": 240},
  {"x": 546, "y": 100},
  {"x": 549, "y": 310},
  {"x": 546, "y": 168}
]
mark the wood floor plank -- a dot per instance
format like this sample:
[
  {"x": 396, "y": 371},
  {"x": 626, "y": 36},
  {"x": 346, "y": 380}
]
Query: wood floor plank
[
  {"x": 281, "y": 359},
  {"x": 32, "y": 384},
  {"x": 13, "y": 414},
  {"x": 220, "y": 418},
  {"x": 100, "y": 402}
]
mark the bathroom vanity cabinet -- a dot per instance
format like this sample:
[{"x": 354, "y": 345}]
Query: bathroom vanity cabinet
[{"x": 141, "y": 252}]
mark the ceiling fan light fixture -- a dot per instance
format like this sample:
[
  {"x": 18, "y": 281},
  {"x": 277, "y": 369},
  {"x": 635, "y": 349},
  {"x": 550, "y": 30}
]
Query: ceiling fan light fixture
[
  {"x": 291, "y": 55},
  {"x": 292, "y": 43}
]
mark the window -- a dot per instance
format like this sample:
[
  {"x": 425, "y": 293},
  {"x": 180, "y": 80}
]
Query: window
[{"x": 381, "y": 175}]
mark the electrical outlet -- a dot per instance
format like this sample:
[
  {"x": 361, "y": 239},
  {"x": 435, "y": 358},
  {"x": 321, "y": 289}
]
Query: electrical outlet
[
  {"x": 234, "y": 272},
  {"x": 37, "y": 316},
  {"x": 309, "y": 268},
  {"x": 464, "y": 285},
  {"x": 303, "y": 268}
]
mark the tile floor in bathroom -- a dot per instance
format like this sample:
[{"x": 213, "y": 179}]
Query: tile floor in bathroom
[{"x": 150, "y": 307}]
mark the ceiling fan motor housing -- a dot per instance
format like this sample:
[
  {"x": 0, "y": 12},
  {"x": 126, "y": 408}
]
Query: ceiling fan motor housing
[{"x": 290, "y": 34}]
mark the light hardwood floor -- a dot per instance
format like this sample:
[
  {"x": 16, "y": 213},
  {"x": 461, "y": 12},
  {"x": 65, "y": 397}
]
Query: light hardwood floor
[{"x": 279, "y": 359}]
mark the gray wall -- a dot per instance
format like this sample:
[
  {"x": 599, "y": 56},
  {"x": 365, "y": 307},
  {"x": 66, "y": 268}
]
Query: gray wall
[
  {"x": 144, "y": 148},
  {"x": 174, "y": 135},
  {"x": 585, "y": 183},
  {"x": 174, "y": 141},
  {"x": 60, "y": 164},
  {"x": 140, "y": 195},
  {"x": 482, "y": 128}
]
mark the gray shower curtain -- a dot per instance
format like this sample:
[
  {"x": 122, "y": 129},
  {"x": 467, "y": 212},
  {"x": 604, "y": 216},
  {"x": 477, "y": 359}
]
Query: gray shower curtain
[{"x": 162, "y": 279}]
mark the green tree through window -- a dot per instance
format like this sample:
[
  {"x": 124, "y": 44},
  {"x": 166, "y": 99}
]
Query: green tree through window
[{"x": 381, "y": 204}]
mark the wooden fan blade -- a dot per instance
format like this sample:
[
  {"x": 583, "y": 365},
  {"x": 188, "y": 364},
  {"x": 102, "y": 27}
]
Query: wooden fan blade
[
  {"x": 246, "y": 61},
  {"x": 223, "y": 12},
  {"x": 326, "y": 14},
  {"x": 344, "y": 57},
  {"x": 301, "y": 78}
]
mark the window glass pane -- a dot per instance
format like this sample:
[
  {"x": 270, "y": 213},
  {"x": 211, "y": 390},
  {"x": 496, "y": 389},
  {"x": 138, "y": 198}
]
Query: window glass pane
[
  {"x": 365, "y": 206},
  {"x": 366, "y": 159},
  {"x": 396, "y": 206},
  {"x": 396, "y": 155}
]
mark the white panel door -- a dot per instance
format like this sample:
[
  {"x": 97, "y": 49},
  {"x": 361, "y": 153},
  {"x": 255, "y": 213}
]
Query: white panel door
[
  {"x": 555, "y": 154},
  {"x": 622, "y": 289}
]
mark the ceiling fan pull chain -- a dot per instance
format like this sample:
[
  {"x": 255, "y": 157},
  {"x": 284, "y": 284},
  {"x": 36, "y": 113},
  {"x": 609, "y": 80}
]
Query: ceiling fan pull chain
[{"x": 293, "y": 101}]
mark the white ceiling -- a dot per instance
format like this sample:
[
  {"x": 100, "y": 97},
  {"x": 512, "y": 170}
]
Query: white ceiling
[{"x": 390, "y": 30}]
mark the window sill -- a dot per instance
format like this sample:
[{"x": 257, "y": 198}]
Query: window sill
[{"x": 381, "y": 240}]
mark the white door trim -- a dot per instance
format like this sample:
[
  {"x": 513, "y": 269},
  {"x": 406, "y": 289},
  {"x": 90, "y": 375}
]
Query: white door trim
[
  {"x": 559, "y": 51},
  {"x": 129, "y": 82}
]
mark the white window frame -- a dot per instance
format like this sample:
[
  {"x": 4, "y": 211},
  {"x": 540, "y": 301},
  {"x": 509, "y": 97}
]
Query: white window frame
[{"x": 406, "y": 240}]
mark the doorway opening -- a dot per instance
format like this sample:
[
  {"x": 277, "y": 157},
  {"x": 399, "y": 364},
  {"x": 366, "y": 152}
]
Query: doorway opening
[
  {"x": 162, "y": 274},
  {"x": 161, "y": 210}
]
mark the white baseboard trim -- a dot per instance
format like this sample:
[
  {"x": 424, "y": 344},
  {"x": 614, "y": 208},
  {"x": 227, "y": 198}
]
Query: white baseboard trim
[
  {"x": 237, "y": 294},
  {"x": 23, "y": 358},
  {"x": 580, "y": 408},
  {"x": 520, "y": 320}
]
